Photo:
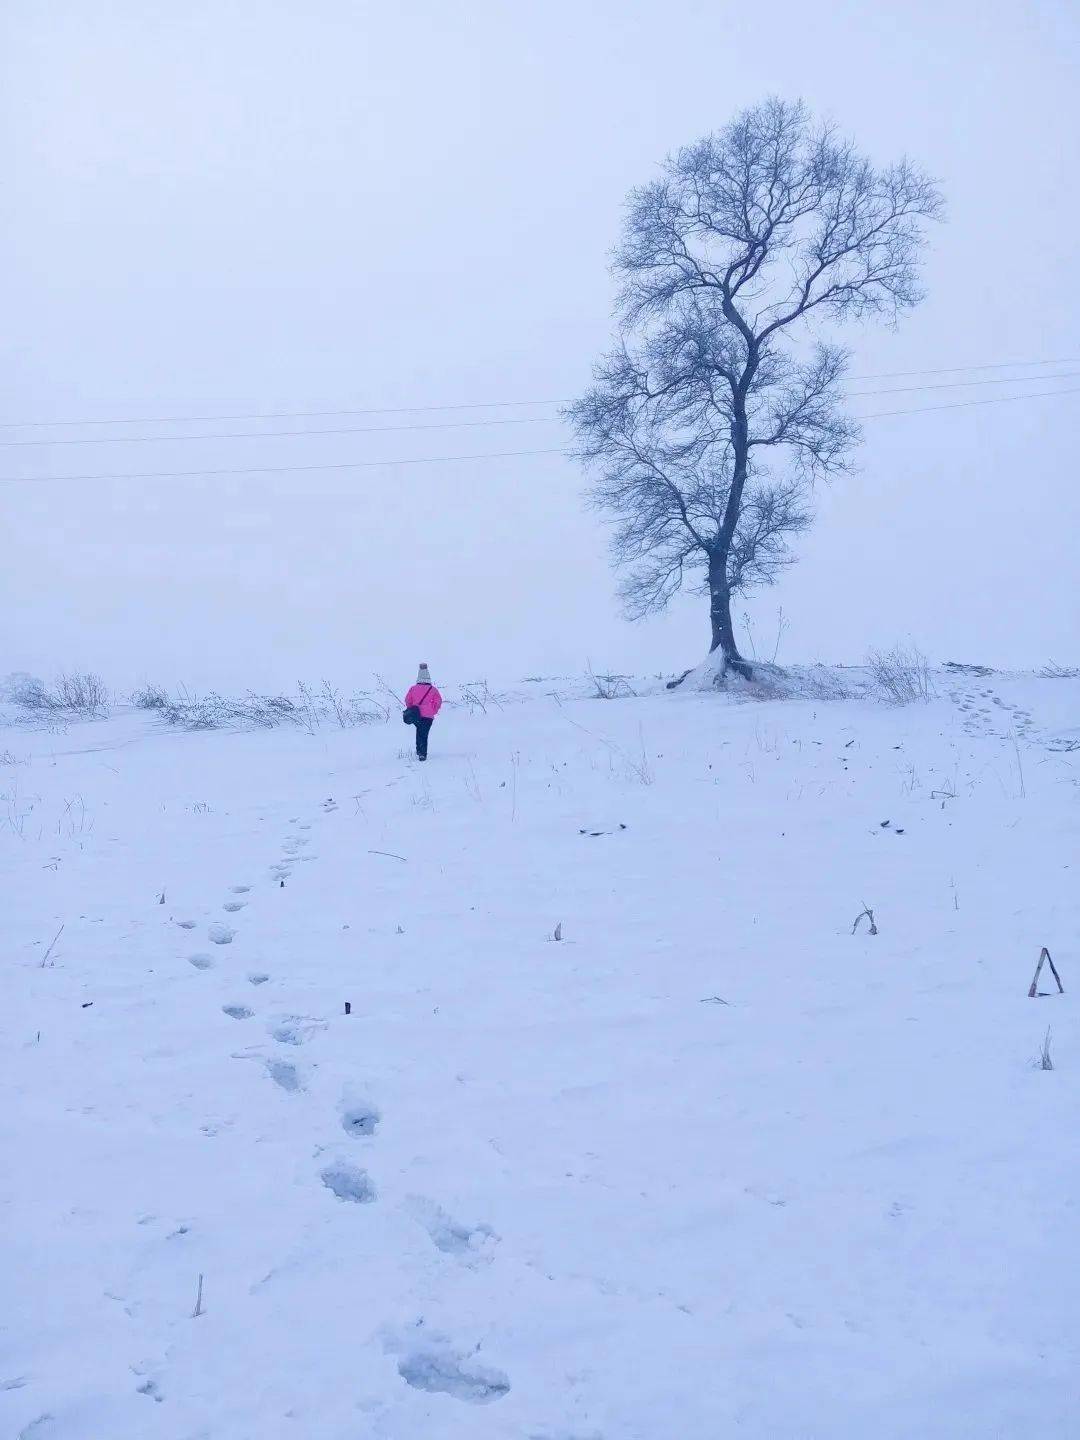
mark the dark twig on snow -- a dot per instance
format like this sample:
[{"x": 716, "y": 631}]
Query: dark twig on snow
[
  {"x": 1044, "y": 1060},
  {"x": 869, "y": 915},
  {"x": 389, "y": 855},
  {"x": 52, "y": 942}
]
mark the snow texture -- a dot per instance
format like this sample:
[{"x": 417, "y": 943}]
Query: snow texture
[{"x": 624, "y": 1135}]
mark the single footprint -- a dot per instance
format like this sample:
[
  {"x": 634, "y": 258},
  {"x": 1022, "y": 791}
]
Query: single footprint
[
  {"x": 153, "y": 1389},
  {"x": 349, "y": 1183},
  {"x": 258, "y": 978},
  {"x": 201, "y": 962},
  {"x": 284, "y": 1074},
  {"x": 232, "y": 906},
  {"x": 238, "y": 1012},
  {"x": 220, "y": 934},
  {"x": 239, "y": 889},
  {"x": 186, "y": 924},
  {"x": 295, "y": 1029},
  {"x": 447, "y": 1234},
  {"x": 287, "y": 1033},
  {"x": 446, "y": 1373},
  {"x": 360, "y": 1120}
]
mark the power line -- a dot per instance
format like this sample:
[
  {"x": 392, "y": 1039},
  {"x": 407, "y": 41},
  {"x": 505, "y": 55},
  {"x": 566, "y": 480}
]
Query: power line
[
  {"x": 966, "y": 404},
  {"x": 286, "y": 414},
  {"x": 447, "y": 459},
  {"x": 474, "y": 405},
  {"x": 961, "y": 369},
  {"x": 952, "y": 385},
  {"x": 279, "y": 434},
  {"x": 284, "y": 469},
  {"x": 472, "y": 424}
]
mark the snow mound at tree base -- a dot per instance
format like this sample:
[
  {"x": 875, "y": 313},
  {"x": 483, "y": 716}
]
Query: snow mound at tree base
[
  {"x": 766, "y": 682},
  {"x": 773, "y": 682}
]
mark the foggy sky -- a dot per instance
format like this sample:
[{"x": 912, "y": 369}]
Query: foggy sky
[{"x": 213, "y": 208}]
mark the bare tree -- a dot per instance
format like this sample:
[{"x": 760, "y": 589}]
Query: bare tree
[{"x": 705, "y": 428}]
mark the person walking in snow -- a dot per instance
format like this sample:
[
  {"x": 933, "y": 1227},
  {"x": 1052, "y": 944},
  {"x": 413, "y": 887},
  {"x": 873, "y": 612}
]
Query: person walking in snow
[{"x": 422, "y": 704}]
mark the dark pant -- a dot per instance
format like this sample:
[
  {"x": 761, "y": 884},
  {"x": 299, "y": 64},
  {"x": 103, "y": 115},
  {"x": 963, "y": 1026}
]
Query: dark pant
[{"x": 423, "y": 729}]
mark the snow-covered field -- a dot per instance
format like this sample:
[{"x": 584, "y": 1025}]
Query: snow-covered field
[{"x": 710, "y": 1164}]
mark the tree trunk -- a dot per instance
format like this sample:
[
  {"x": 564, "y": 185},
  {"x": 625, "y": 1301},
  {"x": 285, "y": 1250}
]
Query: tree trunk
[{"x": 723, "y": 635}]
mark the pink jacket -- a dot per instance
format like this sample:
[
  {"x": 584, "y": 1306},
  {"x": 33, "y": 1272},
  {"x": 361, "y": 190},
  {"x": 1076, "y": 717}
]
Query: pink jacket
[{"x": 426, "y": 698}]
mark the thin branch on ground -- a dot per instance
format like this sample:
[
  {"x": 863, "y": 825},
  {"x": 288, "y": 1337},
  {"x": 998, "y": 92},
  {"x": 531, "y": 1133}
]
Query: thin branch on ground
[{"x": 52, "y": 944}]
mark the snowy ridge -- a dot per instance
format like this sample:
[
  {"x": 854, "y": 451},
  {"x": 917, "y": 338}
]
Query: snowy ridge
[{"x": 709, "y": 1163}]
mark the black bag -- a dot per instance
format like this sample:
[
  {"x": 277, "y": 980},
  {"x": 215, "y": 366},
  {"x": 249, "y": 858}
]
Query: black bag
[{"x": 411, "y": 716}]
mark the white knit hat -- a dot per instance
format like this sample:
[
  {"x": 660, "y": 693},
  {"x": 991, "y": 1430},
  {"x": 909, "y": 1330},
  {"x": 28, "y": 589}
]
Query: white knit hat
[{"x": 423, "y": 676}]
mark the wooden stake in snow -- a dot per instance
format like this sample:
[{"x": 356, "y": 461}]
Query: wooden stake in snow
[
  {"x": 198, "y": 1302},
  {"x": 1044, "y": 955}
]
